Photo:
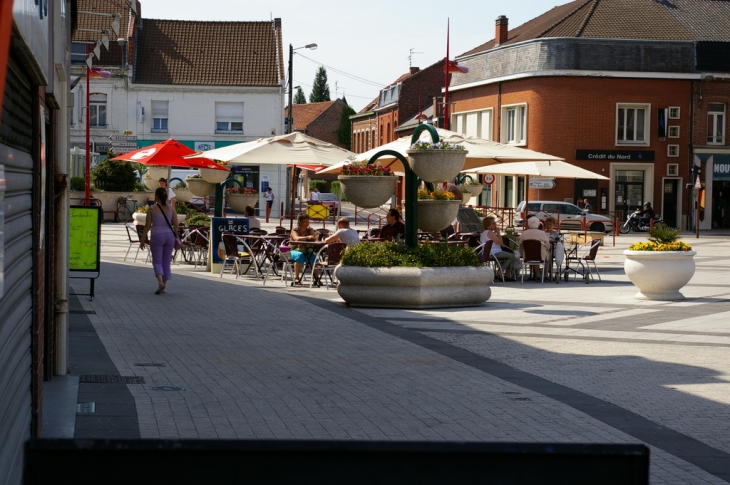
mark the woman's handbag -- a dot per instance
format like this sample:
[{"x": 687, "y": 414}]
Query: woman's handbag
[
  {"x": 178, "y": 242},
  {"x": 507, "y": 249}
]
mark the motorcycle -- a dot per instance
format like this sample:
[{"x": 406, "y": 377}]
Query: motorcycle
[{"x": 633, "y": 222}]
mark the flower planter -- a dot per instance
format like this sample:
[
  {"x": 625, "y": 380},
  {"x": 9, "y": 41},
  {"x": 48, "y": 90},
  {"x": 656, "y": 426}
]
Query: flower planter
[
  {"x": 451, "y": 286},
  {"x": 200, "y": 187},
  {"x": 157, "y": 172},
  {"x": 434, "y": 215},
  {"x": 367, "y": 191},
  {"x": 213, "y": 176},
  {"x": 659, "y": 275},
  {"x": 139, "y": 218},
  {"x": 183, "y": 195},
  {"x": 437, "y": 165},
  {"x": 151, "y": 183},
  {"x": 238, "y": 202},
  {"x": 470, "y": 190}
]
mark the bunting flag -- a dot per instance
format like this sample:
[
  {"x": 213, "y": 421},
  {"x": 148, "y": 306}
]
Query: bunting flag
[{"x": 453, "y": 66}]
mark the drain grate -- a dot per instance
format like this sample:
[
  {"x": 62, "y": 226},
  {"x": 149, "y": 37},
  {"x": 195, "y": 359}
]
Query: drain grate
[
  {"x": 93, "y": 379},
  {"x": 167, "y": 388},
  {"x": 82, "y": 312},
  {"x": 149, "y": 364},
  {"x": 86, "y": 408}
]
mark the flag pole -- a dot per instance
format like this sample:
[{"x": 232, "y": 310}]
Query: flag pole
[{"x": 446, "y": 81}]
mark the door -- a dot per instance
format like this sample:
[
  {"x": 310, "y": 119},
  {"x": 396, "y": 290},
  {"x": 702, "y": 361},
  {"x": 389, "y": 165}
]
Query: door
[
  {"x": 629, "y": 190},
  {"x": 670, "y": 202}
]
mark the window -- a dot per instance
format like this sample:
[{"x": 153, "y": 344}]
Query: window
[
  {"x": 716, "y": 124},
  {"x": 473, "y": 123},
  {"x": 97, "y": 110},
  {"x": 674, "y": 112},
  {"x": 78, "y": 53},
  {"x": 632, "y": 124},
  {"x": 672, "y": 150},
  {"x": 673, "y": 169},
  {"x": 229, "y": 117},
  {"x": 159, "y": 116},
  {"x": 673, "y": 132},
  {"x": 514, "y": 124}
]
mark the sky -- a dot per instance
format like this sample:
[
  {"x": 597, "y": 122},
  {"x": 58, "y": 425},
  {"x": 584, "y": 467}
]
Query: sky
[{"x": 363, "y": 45}]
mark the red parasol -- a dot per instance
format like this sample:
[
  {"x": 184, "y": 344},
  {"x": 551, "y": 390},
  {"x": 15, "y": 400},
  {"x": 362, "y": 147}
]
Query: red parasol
[{"x": 168, "y": 152}]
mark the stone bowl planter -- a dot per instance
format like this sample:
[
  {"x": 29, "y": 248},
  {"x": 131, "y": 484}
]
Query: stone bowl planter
[
  {"x": 200, "y": 187},
  {"x": 437, "y": 165},
  {"x": 451, "y": 286},
  {"x": 183, "y": 195},
  {"x": 151, "y": 183},
  {"x": 157, "y": 172},
  {"x": 434, "y": 215},
  {"x": 470, "y": 190},
  {"x": 238, "y": 202},
  {"x": 368, "y": 191},
  {"x": 213, "y": 176},
  {"x": 139, "y": 218},
  {"x": 659, "y": 275}
]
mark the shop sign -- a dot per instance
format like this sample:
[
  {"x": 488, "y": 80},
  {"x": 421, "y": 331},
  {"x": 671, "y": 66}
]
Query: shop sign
[
  {"x": 219, "y": 225},
  {"x": 720, "y": 171},
  {"x": 616, "y": 155}
]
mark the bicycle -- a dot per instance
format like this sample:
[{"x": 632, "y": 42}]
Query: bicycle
[{"x": 126, "y": 206}]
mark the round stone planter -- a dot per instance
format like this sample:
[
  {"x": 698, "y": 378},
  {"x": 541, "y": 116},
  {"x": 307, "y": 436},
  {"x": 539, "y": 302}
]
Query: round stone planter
[
  {"x": 437, "y": 165},
  {"x": 659, "y": 275},
  {"x": 151, "y": 183},
  {"x": 183, "y": 195},
  {"x": 238, "y": 202},
  {"x": 200, "y": 187},
  {"x": 213, "y": 176},
  {"x": 139, "y": 218},
  {"x": 157, "y": 172},
  {"x": 434, "y": 215},
  {"x": 470, "y": 191},
  {"x": 367, "y": 191},
  {"x": 451, "y": 286}
]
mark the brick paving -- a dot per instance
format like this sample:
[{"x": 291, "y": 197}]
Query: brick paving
[{"x": 275, "y": 362}]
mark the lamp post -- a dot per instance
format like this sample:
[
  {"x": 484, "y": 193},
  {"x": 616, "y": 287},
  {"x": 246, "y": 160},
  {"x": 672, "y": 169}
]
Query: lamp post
[{"x": 96, "y": 72}]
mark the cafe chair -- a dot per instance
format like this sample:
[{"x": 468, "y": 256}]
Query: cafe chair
[
  {"x": 484, "y": 251},
  {"x": 257, "y": 232},
  {"x": 132, "y": 241},
  {"x": 234, "y": 256},
  {"x": 374, "y": 233},
  {"x": 327, "y": 260},
  {"x": 200, "y": 241},
  {"x": 323, "y": 233},
  {"x": 277, "y": 263},
  {"x": 532, "y": 256},
  {"x": 582, "y": 257}
]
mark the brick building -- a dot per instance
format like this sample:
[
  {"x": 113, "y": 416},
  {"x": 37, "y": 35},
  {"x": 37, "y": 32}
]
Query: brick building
[
  {"x": 625, "y": 88},
  {"x": 319, "y": 120}
]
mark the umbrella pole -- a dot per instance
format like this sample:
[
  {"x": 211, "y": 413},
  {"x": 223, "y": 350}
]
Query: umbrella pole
[
  {"x": 527, "y": 201},
  {"x": 293, "y": 192}
]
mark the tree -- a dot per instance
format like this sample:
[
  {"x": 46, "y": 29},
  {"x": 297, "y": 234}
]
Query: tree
[
  {"x": 299, "y": 97},
  {"x": 320, "y": 89},
  {"x": 344, "y": 132}
]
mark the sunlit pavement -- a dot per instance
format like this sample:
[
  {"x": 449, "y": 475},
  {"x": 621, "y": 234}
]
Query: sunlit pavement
[{"x": 567, "y": 362}]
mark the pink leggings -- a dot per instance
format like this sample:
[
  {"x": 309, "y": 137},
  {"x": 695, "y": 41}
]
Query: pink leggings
[{"x": 161, "y": 246}]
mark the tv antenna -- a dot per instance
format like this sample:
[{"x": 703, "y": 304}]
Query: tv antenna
[{"x": 411, "y": 51}]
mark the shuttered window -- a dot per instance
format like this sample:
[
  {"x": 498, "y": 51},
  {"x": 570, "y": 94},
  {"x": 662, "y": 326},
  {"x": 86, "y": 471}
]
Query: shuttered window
[{"x": 228, "y": 117}]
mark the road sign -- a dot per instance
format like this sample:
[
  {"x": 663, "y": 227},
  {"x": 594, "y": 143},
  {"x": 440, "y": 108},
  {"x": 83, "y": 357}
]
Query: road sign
[
  {"x": 123, "y": 137},
  {"x": 698, "y": 184},
  {"x": 488, "y": 178},
  {"x": 123, "y": 149},
  {"x": 124, "y": 144},
  {"x": 542, "y": 183}
]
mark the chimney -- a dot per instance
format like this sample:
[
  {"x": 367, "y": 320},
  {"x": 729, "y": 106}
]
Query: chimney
[
  {"x": 414, "y": 70},
  {"x": 500, "y": 35}
]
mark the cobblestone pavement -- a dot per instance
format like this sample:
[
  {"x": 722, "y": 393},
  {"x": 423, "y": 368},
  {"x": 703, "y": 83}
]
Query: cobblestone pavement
[{"x": 539, "y": 362}]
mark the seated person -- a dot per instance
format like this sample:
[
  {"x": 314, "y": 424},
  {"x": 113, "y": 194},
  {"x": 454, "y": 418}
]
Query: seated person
[
  {"x": 447, "y": 231},
  {"x": 394, "y": 229},
  {"x": 533, "y": 232},
  {"x": 253, "y": 223},
  {"x": 505, "y": 258},
  {"x": 344, "y": 233},
  {"x": 301, "y": 253},
  {"x": 647, "y": 214},
  {"x": 550, "y": 228}
]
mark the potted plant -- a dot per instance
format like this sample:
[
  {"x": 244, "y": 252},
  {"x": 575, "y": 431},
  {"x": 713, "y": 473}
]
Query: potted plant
[
  {"x": 151, "y": 183},
  {"x": 182, "y": 193},
  {"x": 436, "y": 210},
  {"x": 660, "y": 267},
  {"x": 198, "y": 186},
  {"x": 140, "y": 215},
  {"x": 215, "y": 176},
  {"x": 470, "y": 188},
  {"x": 182, "y": 211},
  {"x": 239, "y": 198},
  {"x": 198, "y": 219},
  {"x": 436, "y": 162},
  {"x": 366, "y": 185},
  {"x": 392, "y": 275},
  {"x": 156, "y": 172}
]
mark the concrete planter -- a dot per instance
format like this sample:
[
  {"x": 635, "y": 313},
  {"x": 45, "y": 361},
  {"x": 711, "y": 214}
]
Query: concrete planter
[
  {"x": 157, "y": 172},
  {"x": 238, "y": 202},
  {"x": 200, "y": 187},
  {"x": 437, "y": 165},
  {"x": 213, "y": 176},
  {"x": 434, "y": 215},
  {"x": 659, "y": 275},
  {"x": 452, "y": 286},
  {"x": 367, "y": 191},
  {"x": 139, "y": 218},
  {"x": 151, "y": 183},
  {"x": 183, "y": 195},
  {"x": 109, "y": 200},
  {"x": 470, "y": 191}
]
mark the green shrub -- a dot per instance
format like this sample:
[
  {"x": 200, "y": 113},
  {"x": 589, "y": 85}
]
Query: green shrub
[
  {"x": 662, "y": 234},
  {"x": 390, "y": 254},
  {"x": 198, "y": 220},
  {"x": 336, "y": 189},
  {"x": 320, "y": 184},
  {"x": 78, "y": 184},
  {"x": 112, "y": 175}
]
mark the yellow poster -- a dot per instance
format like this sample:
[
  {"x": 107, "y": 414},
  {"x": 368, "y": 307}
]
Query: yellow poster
[{"x": 84, "y": 238}]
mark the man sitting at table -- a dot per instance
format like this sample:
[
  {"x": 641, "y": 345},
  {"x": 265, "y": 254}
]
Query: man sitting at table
[
  {"x": 302, "y": 253},
  {"x": 253, "y": 223},
  {"x": 394, "y": 229},
  {"x": 344, "y": 233},
  {"x": 534, "y": 233}
]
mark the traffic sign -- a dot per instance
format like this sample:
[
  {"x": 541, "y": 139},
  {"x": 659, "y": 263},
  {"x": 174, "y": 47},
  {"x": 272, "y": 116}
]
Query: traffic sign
[
  {"x": 123, "y": 149},
  {"x": 123, "y": 137},
  {"x": 488, "y": 178},
  {"x": 124, "y": 144},
  {"x": 698, "y": 184},
  {"x": 542, "y": 183}
]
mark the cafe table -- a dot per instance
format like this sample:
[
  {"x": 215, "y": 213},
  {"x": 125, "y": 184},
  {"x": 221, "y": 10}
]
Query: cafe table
[{"x": 316, "y": 246}]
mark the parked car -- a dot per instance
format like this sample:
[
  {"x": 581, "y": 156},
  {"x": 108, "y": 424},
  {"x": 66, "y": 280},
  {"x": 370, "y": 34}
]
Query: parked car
[
  {"x": 331, "y": 201},
  {"x": 569, "y": 215}
]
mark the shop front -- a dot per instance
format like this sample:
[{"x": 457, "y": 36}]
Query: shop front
[{"x": 714, "y": 195}]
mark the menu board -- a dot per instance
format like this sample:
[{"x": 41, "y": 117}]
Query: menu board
[{"x": 84, "y": 240}]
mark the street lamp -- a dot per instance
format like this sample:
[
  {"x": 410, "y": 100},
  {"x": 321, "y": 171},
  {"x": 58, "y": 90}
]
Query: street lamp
[{"x": 290, "y": 117}]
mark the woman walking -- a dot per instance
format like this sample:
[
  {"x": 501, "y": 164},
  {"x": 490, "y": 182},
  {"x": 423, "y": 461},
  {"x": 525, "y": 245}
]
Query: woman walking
[{"x": 162, "y": 218}]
